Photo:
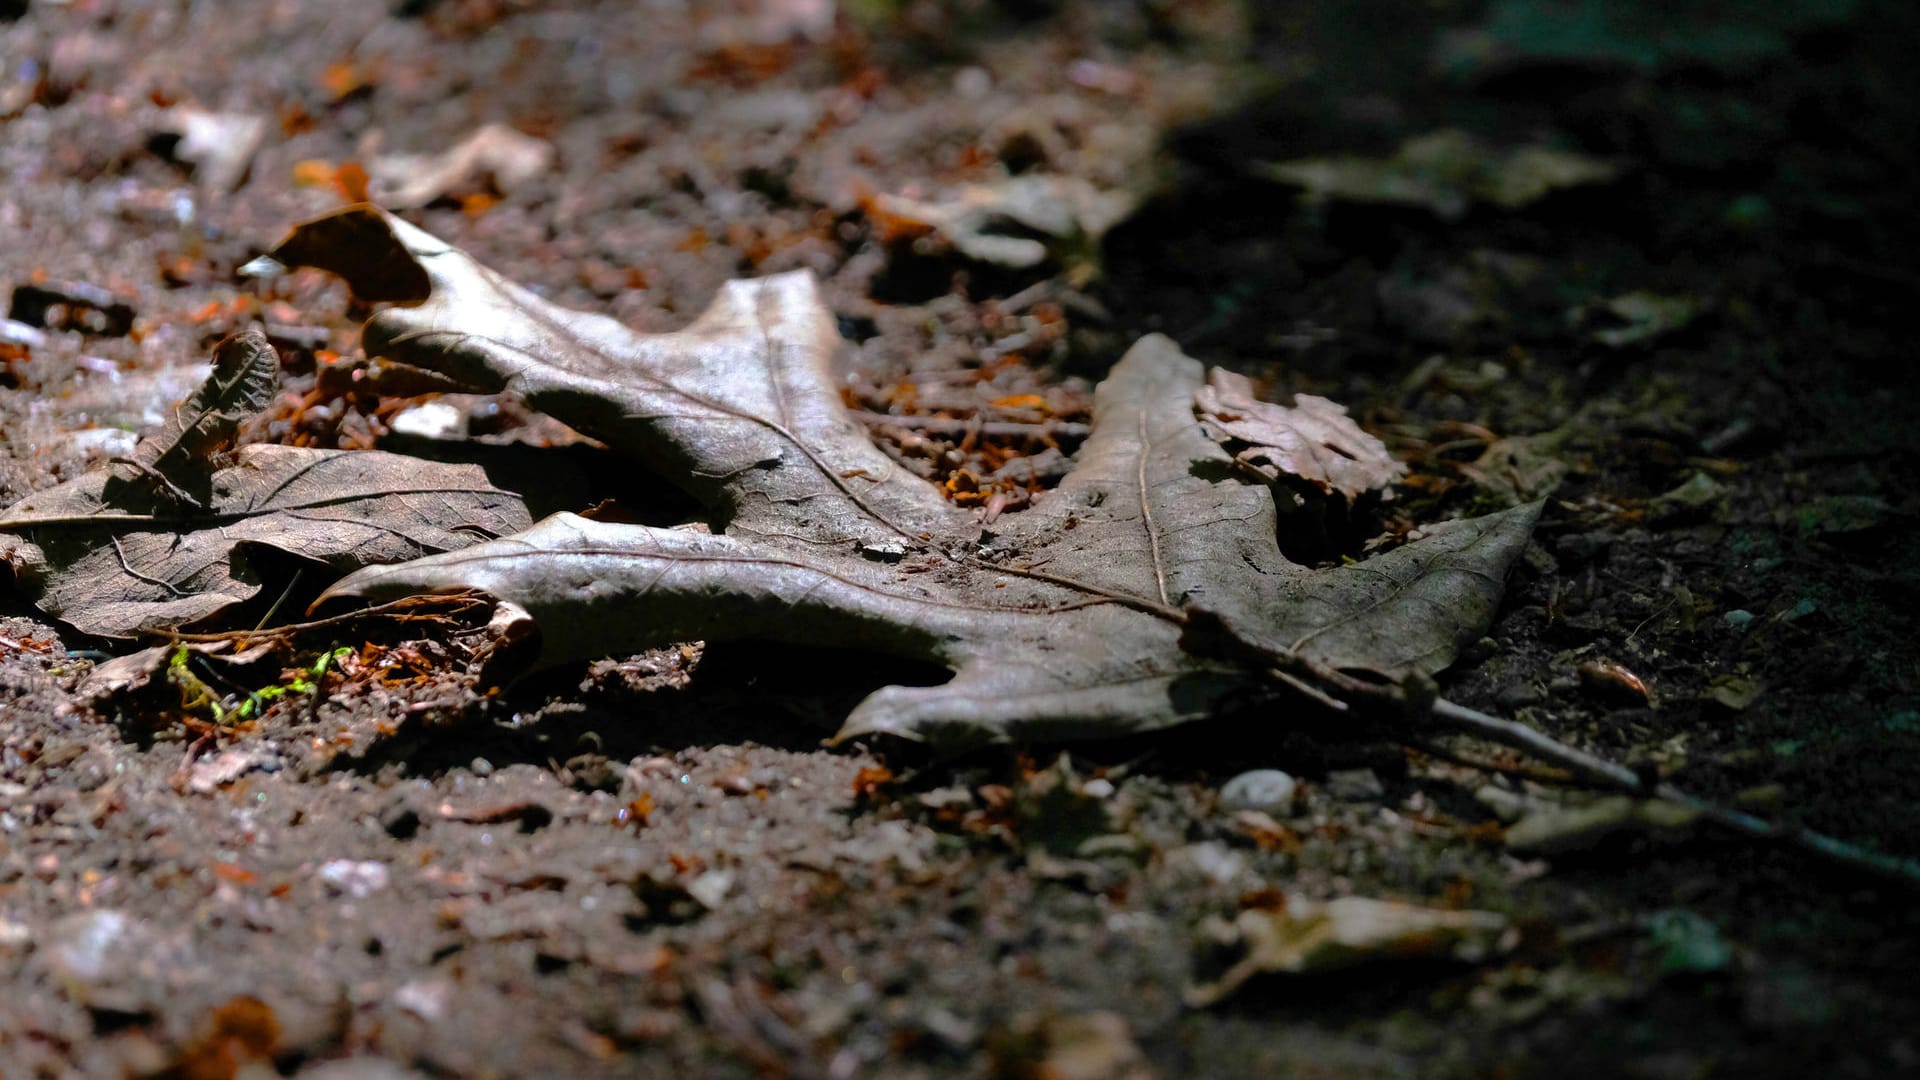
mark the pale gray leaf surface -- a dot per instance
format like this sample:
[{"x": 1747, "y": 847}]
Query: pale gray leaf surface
[
  {"x": 739, "y": 408},
  {"x": 114, "y": 557},
  {"x": 1065, "y": 620}
]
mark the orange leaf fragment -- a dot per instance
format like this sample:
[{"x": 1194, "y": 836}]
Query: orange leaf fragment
[
  {"x": 350, "y": 180},
  {"x": 238, "y": 875},
  {"x": 870, "y": 783},
  {"x": 313, "y": 172}
]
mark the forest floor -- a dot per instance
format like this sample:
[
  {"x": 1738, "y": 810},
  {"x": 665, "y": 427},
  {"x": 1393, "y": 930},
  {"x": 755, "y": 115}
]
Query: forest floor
[{"x": 1674, "y": 317}]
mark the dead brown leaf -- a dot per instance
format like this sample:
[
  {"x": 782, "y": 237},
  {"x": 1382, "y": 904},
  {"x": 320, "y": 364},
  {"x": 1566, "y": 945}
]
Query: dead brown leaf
[{"x": 1313, "y": 441}]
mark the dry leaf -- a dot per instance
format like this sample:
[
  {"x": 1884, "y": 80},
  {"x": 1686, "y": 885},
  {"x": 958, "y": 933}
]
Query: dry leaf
[
  {"x": 1445, "y": 172},
  {"x": 1558, "y": 829},
  {"x": 245, "y": 376},
  {"x": 160, "y": 540},
  {"x": 1066, "y": 620},
  {"x": 1313, "y": 441},
  {"x": 1306, "y": 937},
  {"x": 496, "y": 151},
  {"x": 219, "y": 146},
  {"x": 1016, "y": 222}
]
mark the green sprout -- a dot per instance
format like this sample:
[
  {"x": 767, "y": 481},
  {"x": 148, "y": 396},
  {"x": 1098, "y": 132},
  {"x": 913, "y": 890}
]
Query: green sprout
[{"x": 196, "y": 694}]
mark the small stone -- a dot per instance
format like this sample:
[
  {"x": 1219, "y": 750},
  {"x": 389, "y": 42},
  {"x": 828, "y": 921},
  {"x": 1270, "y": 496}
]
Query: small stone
[
  {"x": 1355, "y": 785},
  {"x": 14, "y": 934},
  {"x": 358, "y": 880},
  {"x": 1738, "y": 618},
  {"x": 1269, "y": 791},
  {"x": 433, "y": 420},
  {"x": 425, "y": 998},
  {"x": 1210, "y": 861},
  {"x": 93, "y": 947},
  {"x": 1519, "y": 696},
  {"x": 711, "y": 888},
  {"x": 1688, "y": 943},
  {"x": 891, "y": 551}
]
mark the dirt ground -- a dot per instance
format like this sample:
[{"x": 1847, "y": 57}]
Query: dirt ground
[{"x": 651, "y": 867}]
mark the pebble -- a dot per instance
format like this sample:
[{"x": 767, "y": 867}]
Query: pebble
[
  {"x": 711, "y": 888},
  {"x": 1520, "y": 695},
  {"x": 1355, "y": 785},
  {"x": 92, "y": 946},
  {"x": 359, "y": 880},
  {"x": 1269, "y": 791},
  {"x": 1209, "y": 861}
]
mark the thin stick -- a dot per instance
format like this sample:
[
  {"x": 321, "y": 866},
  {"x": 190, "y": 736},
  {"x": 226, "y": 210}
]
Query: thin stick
[
  {"x": 1609, "y": 774},
  {"x": 393, "y": 609},
  {"x": 284, "y": 593}
]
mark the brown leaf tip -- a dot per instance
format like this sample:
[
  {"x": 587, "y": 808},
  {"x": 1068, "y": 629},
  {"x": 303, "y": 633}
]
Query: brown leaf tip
[{"x": 1313, "y": 440}]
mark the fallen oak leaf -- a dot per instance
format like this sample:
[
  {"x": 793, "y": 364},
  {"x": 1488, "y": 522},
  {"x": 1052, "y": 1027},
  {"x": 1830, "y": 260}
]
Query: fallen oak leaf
[
  {"x": 1070, "y": 619},
  {"x": 117, "y": 568},
  {"x": 159, "y": 541}
]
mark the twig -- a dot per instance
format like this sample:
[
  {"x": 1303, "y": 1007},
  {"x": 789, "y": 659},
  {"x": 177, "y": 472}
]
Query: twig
[
  {"x": 997, "y": 429},
  {"x": 392, "y": 609},
  {"x": 284, "y": 593},
  {"x": 1605, "y": 773}
]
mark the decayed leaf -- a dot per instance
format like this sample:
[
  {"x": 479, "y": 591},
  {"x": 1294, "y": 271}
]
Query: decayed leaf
[
  {"x": 495, "y": 151},
  {"x": 1445, "y": 172},
  {"x": 1065, "y": 620},
  {"x": 160, "y": 541},
  {"x": 1555, "y": 830},
  {"x": 1642, "y": 317},
  {"x": 1313, "y": 441},
  {"x": 1309, "y": 936},
  {"x": 246, "y": 373},
  {"x": 1003, "y": 223},
  {"x": 219, "y": 146}
]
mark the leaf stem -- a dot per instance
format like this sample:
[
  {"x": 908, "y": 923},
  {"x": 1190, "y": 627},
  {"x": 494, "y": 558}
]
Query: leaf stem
[{"x": 1606, "y": 773}]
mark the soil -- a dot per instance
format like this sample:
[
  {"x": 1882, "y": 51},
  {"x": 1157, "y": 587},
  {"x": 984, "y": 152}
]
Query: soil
[{"x": 651, "y": 866}]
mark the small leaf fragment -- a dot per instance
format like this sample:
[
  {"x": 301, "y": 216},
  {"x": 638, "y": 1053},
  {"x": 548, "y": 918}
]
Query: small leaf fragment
[
  {"x": 1307, "y": 937},
  {"x": 1313, "y": 441},
  {"x": 246, "y": 375},
  {"x": 1445, "y": 172}
]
